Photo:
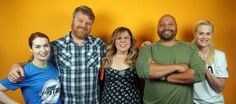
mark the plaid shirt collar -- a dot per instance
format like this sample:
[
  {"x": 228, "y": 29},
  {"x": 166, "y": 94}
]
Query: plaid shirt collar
[{"x": 69, "y": 39}]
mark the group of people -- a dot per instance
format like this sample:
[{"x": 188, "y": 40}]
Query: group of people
[{"x": 69, "y": 70}]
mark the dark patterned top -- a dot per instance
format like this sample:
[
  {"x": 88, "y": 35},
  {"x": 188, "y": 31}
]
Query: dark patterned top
[{"x": 121, "y": 87}]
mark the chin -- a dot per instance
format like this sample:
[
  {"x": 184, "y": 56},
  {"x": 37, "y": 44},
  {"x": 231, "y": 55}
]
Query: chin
[
  {"x": 44, "y": 59},
  {"x": 82, "y": 35},
  {"x": 202, "y": 45}
]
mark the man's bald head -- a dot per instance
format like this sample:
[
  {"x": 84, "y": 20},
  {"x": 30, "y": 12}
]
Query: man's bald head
[{"x": 167, "y": 27}]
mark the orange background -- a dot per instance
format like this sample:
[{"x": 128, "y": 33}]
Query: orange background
[{"x": 19, "y": 18}]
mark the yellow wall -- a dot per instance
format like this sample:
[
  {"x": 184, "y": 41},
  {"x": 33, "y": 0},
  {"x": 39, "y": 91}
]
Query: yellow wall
[{"x": 19, "y": 18}]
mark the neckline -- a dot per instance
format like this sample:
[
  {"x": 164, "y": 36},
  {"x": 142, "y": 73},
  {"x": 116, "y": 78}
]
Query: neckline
[
  {"x": 119, "y": 69},
  {"x": 177, "y": 42},
  {"x": 42, "y": 68}
]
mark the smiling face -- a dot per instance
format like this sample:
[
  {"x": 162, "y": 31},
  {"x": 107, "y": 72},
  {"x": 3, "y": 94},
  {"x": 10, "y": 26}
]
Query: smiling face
[
  {"x": 203, "y": 35},
  {"x": 167, "y": 28},
  {"x": 40, "y": 49},
  {"x": 123, "y": 42},
  {"x": 81, "y": 25}
]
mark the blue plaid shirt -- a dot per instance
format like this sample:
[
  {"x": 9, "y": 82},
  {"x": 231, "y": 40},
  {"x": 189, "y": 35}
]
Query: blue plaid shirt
[{"x": 78, "y": 68}]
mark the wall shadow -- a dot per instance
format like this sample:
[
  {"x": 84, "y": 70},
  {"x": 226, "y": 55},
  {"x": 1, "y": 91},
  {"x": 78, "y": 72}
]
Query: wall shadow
[
  {"x": 146, "y": 32},
  {"x": 101, "y": 25},
  {"x": 187, "y": 34}
]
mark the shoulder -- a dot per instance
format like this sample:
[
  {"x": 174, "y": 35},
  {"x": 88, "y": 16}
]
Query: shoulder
[
  {"x": 184, "y": 43},
  {"x": 28, "y": 65},
  {"x": 188, "y": 45},
  {"x": 96, "y": 40},
  {"x": 219, "y": 53},
  {"x": 50, "y": 65},
  {"x": 146, "y": 47},
  {"x": 149, "y": 47},
  {"x": 61, "y": 41},
  {"x": 28, "y": 68},
  {"x": 145, "y": 50}
]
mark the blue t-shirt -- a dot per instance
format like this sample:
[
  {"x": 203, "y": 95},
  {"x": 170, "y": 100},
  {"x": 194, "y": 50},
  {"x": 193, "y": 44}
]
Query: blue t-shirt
[{"x": 39, "y": 86}]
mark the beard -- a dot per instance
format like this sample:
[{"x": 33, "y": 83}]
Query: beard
[
  {"x": 79, "y": 35},
  {"x": 167, "y": 37},
  {"x": 80, "y": 32}
]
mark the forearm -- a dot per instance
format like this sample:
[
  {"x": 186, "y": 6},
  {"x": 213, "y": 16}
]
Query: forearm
[
  {"x": 217, "y": 84},
  {"x": 5, "y": 99},
  {"x": 186, "y": 77},
  {"x": 157, "y": 71},
  {"x": 22, "y": 64}
]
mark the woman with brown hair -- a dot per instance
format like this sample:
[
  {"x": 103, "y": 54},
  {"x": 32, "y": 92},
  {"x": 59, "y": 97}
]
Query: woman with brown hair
[
  {"x": 40, "y": 85},
  {"x": 121, "y": 79}
]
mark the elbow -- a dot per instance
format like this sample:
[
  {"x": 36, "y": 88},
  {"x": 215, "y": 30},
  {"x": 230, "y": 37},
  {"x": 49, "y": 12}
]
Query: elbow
[
  {"x": 151, "y": 76},
  {"x": 219, "y": 89},
  {"x": 192, "y": 79}
]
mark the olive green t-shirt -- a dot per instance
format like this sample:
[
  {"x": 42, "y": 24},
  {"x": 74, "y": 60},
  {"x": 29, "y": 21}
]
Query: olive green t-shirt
[{"x": 162, "y": 92}]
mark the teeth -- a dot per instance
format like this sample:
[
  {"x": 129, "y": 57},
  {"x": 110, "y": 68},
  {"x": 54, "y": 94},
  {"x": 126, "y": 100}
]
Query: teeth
[
  {"x": 167, "y": 31},
  {"x": 43, "y": 55},
  {"x": 123, "y": 45},
  {"x": 204, "y": 41}
]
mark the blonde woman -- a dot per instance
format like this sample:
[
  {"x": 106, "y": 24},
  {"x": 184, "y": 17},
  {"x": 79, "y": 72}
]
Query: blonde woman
[
  {"x": 121, "y": 79},
  {"x": 209, "y": 91}
]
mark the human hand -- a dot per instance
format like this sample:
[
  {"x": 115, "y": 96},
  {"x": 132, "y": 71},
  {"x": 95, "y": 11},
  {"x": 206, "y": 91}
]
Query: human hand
[
  {"x": 202, "y": 56},
  {"x": 16, "y": 74},
  {"x": 182, "y": 68},
  {"x": 146, "y": 43},
  {"x": 151, "y": 61}
]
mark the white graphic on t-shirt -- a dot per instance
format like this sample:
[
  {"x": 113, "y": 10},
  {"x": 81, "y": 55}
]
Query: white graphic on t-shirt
[{"x": 51, "y": 91}]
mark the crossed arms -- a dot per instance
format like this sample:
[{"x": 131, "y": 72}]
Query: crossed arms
[{"x": 173, "y": 73}]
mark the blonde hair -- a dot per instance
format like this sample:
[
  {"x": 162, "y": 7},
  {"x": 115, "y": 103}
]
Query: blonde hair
[
  {"x": 111, "y": 48},
  {"x": 211, "y": 50}
]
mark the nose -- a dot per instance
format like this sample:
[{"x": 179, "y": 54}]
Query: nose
[
  {"x": 123, "y": 40},
  {"x": 43, "y": 50},
  {"x": 83, "y": 24},
  {"x": 167, "y": 27},
  {"x": 204, "y": 36}
]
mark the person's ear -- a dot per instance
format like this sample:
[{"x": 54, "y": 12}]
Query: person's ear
[{"x": 30, "y": 49}]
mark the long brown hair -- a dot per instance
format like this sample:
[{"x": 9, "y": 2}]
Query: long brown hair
[{"x": 111, "y": 48}]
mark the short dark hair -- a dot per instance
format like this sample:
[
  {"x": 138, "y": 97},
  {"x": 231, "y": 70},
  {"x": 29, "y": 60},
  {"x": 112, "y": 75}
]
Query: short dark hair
[
  {"x": 34, "y": 36},
  {"x": 85, "y": 10}
]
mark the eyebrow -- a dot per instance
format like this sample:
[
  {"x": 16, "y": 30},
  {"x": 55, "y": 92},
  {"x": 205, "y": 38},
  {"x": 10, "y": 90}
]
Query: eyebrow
[{"x": 40, "y": 44}]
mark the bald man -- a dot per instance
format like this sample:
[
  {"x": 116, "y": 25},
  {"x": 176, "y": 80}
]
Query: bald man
[{"x": 169, "y": 67}]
